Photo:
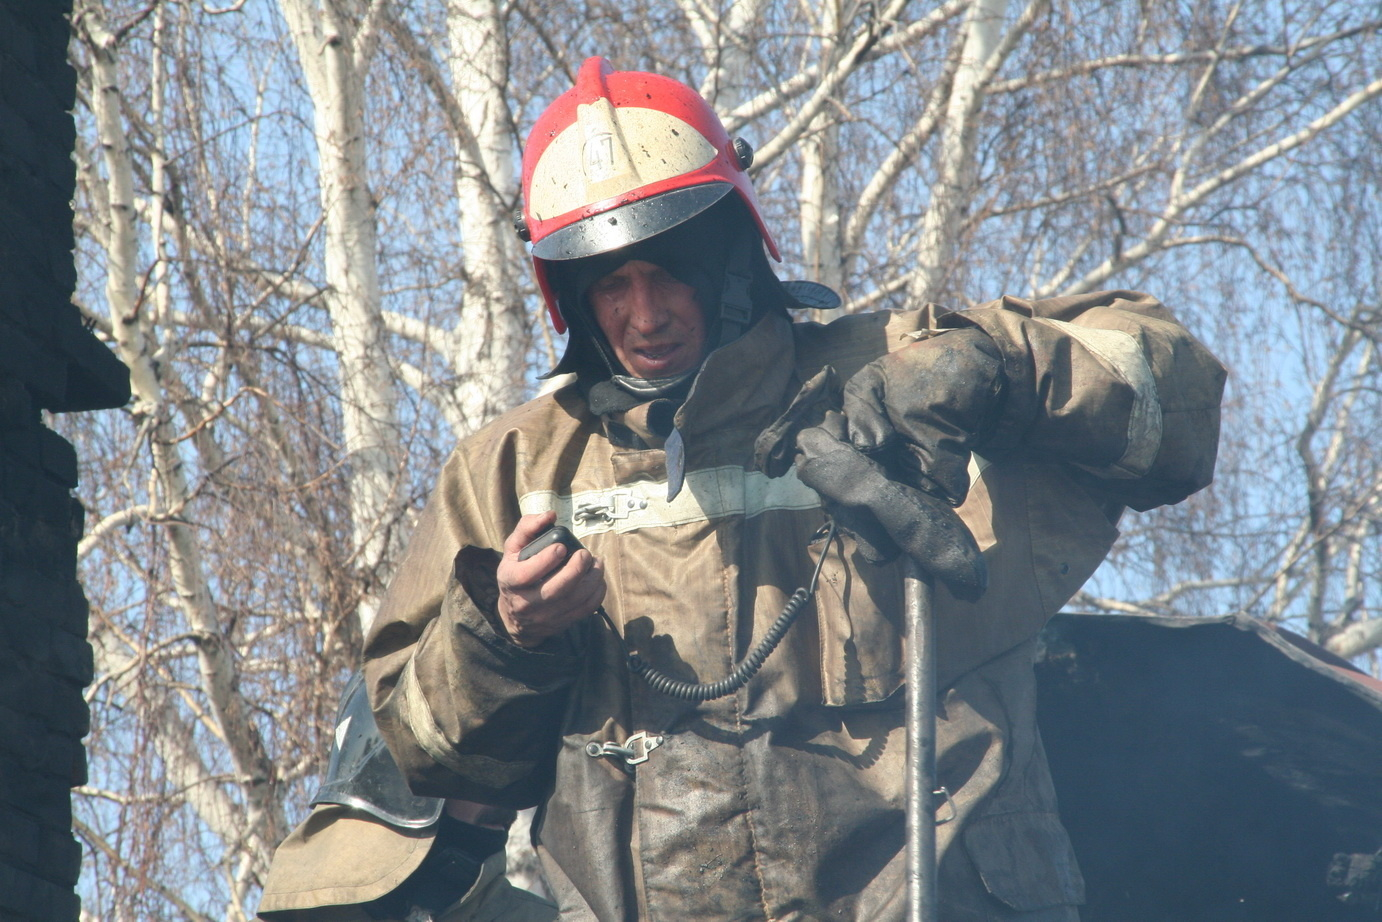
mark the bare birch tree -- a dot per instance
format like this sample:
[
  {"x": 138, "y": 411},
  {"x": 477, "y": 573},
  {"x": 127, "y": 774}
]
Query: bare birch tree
[
  {"x": 335, "y": 44},
  {"x": 137, "y": 305}
]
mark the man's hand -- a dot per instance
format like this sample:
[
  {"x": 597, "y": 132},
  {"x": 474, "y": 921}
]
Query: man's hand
[{"x": 544, "y": 595}]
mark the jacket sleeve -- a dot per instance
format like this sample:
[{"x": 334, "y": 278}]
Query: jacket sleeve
[
  {"x": 466, "y": 712},
  {"x": 1108, "y": 381}
]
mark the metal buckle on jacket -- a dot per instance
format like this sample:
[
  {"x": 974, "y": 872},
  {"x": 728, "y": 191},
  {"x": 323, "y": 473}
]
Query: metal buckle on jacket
[
  {"x": 617, "y": 504},
  {"x": 945, "y": 800},
  {"x": 634, "y": 751}
]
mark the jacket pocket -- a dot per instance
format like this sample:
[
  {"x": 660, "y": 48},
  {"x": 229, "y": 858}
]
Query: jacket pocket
[
  {"x": 859, "y": 609},
  {"x": 1026, "y": 860}
]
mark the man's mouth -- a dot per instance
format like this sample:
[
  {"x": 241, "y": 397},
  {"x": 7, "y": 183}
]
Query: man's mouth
[{"x": 656, "y": 358}]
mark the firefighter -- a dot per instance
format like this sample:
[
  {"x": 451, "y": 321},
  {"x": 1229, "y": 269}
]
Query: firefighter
[
  {"x": 700, "y": 456},
  {"x": 371, "y": 850}
]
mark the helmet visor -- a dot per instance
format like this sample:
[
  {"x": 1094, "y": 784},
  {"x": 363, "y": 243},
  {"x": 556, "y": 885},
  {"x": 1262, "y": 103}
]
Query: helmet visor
[{"x": 630, "y": 223}]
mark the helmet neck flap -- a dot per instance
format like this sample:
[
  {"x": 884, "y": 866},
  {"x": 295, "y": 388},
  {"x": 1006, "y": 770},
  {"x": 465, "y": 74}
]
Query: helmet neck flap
[{"x": 361, "y": 772}]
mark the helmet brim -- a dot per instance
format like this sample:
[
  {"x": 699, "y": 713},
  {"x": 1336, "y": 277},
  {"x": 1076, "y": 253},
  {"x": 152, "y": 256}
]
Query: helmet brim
[{"x": 630, "y": 223}]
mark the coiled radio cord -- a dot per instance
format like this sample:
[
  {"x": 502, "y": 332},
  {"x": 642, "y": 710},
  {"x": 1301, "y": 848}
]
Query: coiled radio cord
[{"x": 660, "y": 682}]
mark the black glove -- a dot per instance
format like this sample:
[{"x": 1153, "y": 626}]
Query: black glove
[
  {"x": 922, "y": 409},
  {"x": 885, "y": 515}
]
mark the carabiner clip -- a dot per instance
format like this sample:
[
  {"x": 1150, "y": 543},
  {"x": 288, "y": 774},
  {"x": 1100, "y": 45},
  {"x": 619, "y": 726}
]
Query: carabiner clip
[
  {"x": 945, "y": 800},
  {"x": 634, "y": 751}
]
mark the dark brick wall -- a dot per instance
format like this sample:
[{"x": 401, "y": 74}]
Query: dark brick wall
[{"x": 48, "y": 361}]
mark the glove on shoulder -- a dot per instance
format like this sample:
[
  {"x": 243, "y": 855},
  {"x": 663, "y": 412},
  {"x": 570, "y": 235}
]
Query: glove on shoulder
[
  {"x": 921, "y": 410},
  {"x": 884, "y": 517},
  {"x": 862, "y": 497}
]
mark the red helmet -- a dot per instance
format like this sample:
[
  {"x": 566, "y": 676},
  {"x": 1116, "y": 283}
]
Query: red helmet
[{"x": 623, "y": 156}]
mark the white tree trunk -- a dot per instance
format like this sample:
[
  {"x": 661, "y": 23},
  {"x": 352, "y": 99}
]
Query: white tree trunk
[
  {"x": 727, "y": 48},
  {"x": 819, "y": 198},
  {"x": 952, "y": 189},
  {"x": 334, "y": 55},
  {"x": 137, "y": 345},
  {"x": 491, "y": 336}
]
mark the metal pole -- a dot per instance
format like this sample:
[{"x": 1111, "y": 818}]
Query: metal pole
[{"x": 922, "y": 903}]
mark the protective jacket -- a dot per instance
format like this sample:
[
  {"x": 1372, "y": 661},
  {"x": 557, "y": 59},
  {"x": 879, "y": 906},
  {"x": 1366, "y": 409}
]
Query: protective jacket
[{"x": 784, "y": 800}]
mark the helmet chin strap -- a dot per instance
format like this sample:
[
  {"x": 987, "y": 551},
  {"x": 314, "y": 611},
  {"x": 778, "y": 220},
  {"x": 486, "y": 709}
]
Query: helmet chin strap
[{"x": 651, "y": 388}]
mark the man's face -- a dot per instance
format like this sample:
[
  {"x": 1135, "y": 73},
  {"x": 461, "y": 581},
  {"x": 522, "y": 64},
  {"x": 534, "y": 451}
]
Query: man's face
[{"x": 652, "y": 321}]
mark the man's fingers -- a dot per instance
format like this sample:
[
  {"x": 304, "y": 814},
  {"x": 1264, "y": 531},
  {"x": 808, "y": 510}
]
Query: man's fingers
[
  {"x": 566, "y": 581},
  {"x": 527, "y": 529},
  {"x": 572, "y": 594},
  {"x": 869, "y": 427},
  {"x": 530, "y": 574},
  {"x": 547, "y": 593},
  {"x": 594, "y": 581},
  {"x": 526, "y": 574}
]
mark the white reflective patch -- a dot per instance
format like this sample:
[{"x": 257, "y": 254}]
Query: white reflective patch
[
  {"x": 590, "y": 162},
  {"x": 341, "y": 729},
  {"x": 976, "y": 467},
  {"x": 431, "y": 740},
  {"x": 418, "y": 716},
  {"x": 713, "y": 493},
  {"x": 1120, "y": 352}
]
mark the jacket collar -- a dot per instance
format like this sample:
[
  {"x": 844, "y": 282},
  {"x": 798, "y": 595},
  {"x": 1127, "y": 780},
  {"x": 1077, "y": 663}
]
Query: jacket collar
[{"x": 742, "y": 384}]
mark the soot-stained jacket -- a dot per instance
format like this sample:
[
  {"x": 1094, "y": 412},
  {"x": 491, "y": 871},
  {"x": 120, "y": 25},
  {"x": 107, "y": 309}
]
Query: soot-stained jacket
[{"x": 784, "y": 800}]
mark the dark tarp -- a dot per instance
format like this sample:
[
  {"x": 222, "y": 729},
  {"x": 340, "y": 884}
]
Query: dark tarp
[{"x": 1211, "y": 769}]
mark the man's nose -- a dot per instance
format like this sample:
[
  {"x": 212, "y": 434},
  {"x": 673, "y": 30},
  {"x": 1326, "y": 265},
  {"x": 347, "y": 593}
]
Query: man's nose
[{"x": 647, "y": 313}]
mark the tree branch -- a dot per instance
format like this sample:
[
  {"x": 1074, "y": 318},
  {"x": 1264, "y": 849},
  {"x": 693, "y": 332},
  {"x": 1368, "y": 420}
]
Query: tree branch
[
  {"x": 826, "y": 90},
  {"x": 1179, "y": 205},
  {"x": 98, "y": 842}
]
